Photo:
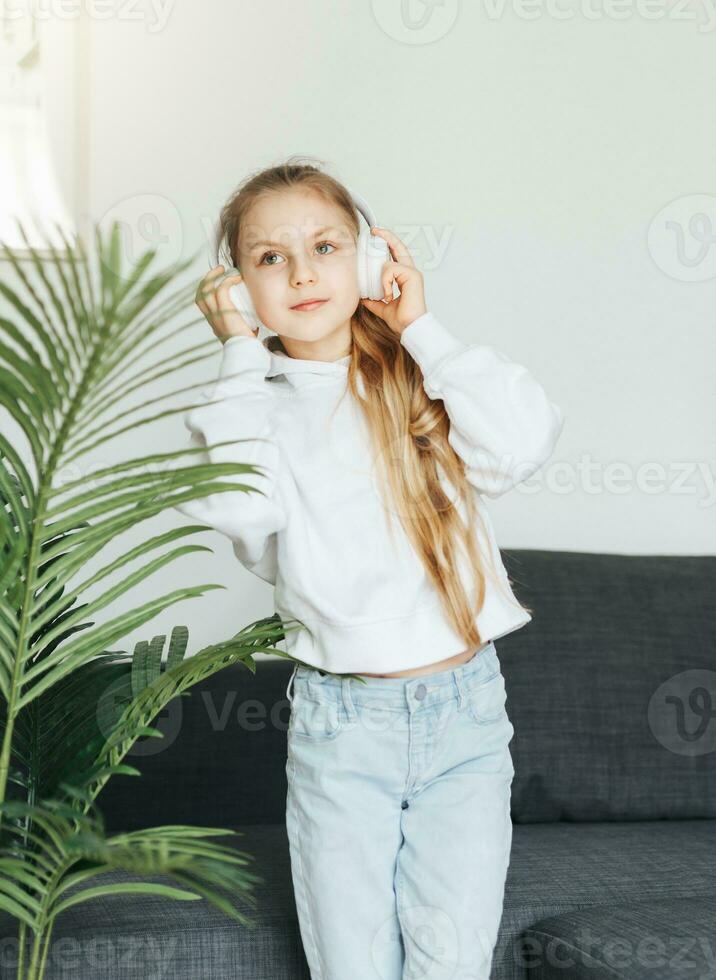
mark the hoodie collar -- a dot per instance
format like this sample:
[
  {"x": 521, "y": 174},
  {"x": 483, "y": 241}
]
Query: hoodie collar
[{"x": 298, "y": 370}]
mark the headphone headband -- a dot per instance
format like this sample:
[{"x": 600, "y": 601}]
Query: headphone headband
[{"x": 365, "y": 209}]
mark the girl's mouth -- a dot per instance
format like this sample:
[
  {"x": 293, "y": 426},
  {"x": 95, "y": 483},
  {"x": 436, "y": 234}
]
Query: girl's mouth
[{"x": 307, "y": 307}]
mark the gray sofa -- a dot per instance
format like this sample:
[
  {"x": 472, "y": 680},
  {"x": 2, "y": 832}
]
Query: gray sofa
[{"x": 612, "y": 693}]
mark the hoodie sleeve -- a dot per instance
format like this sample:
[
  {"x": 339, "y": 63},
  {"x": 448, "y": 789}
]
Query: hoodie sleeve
[
  {"x": 502, "y": 423},
  {"x": 240, "y": 406}
]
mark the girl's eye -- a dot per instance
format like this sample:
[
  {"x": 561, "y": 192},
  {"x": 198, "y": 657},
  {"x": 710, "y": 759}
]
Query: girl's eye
[{"x": 267, "y": 255}]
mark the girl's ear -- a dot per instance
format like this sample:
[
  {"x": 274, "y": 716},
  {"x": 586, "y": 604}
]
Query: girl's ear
[{"x": 376, "y": 306}]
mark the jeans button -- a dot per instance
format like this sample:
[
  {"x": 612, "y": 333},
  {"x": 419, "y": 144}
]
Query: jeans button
[{"x": 420, "y": 692}]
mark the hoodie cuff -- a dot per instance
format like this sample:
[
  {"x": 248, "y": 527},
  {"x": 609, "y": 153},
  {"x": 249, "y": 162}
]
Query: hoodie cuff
[
  {"x": 244, "y": 361},
  {"x": 429, "y": 342}
]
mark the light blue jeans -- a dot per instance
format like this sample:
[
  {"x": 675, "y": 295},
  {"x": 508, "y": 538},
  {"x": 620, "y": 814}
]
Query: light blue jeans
[{"x": 398, "y": 819}]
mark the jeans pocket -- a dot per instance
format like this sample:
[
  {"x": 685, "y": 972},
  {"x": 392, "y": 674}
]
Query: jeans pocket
[
  {"x": 314, "y": 718},
  {"x": 487, "y": 700}
]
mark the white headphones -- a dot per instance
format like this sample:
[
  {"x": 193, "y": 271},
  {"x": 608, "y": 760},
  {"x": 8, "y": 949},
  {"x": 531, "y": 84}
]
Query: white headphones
[{"x": 371, "y": 252}]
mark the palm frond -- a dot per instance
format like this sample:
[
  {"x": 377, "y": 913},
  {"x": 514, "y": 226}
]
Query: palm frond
[{"x": 64, "y": 348}]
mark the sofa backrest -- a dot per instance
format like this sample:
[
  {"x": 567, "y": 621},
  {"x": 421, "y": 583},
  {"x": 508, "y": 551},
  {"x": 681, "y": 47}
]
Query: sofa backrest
[
  {"x": 611, "y": 686},
  {"x": 222, "y": 759},
  {"x": 611, "y": 690}
]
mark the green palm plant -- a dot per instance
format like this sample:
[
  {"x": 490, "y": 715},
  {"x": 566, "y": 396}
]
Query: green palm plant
[{"x": 78, "y": 341}]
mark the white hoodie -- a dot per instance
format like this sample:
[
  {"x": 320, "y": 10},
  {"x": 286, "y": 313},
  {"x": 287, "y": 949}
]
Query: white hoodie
[{"x": 319, "y": 532}]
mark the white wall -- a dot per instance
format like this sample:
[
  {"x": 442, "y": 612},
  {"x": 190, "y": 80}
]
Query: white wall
[{"x": 542, "y": 149}]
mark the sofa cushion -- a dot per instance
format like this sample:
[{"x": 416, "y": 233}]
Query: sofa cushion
[
  {"x": 562, "y": 868},
  {"x": 611, "y": 687}
]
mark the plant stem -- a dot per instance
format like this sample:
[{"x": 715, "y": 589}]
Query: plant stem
[
  {"x": 21, "y": 932},
  {"x": 43, "y": 962}
]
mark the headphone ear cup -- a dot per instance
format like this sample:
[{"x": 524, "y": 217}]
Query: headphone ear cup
[
  {"x": 373, "y": 253},
  {"x": 241, "y": 298},
  {"x": 239, "y": 295}
]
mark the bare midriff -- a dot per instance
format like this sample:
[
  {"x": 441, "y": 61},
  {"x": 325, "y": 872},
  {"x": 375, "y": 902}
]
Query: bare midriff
[{"x": 459, "y": 658}]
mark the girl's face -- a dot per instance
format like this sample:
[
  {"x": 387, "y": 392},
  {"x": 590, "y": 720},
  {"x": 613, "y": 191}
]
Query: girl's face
[{"x": 294, "y": 246}]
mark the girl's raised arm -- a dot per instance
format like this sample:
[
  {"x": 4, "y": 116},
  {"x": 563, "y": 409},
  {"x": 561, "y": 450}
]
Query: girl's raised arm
[
  {"x": 502, "y": 423},
  {"x": 241, "y": 406}
]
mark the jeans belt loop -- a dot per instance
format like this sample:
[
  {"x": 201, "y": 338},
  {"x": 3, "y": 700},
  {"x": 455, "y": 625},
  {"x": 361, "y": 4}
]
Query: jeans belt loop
[
  {"x": 289, "y": 692},
  {"x": 461, "y": 690},
  {"x": 348, "y": 698}
]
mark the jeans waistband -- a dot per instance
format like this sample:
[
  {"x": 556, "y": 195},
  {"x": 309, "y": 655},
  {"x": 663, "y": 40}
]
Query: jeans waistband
[{"x": 441, "y": 685}]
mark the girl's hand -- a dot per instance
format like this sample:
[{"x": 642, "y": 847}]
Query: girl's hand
[
  {"x": 400, "y": 312},
  {"x": 214, "y": 302}
]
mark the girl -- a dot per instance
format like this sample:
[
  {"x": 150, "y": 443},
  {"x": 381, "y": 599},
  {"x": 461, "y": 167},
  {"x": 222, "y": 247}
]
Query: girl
[{"x": 378, "y": 434}]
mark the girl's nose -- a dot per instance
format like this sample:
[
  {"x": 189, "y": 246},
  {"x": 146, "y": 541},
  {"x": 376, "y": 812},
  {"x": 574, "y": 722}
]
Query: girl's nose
[
  {"x": 303, "y": 280},
  {"x": 304, "y": 274}
]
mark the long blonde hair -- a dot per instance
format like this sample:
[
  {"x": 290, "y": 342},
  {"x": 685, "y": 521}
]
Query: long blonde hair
[{"x": 408, "y": 430}]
